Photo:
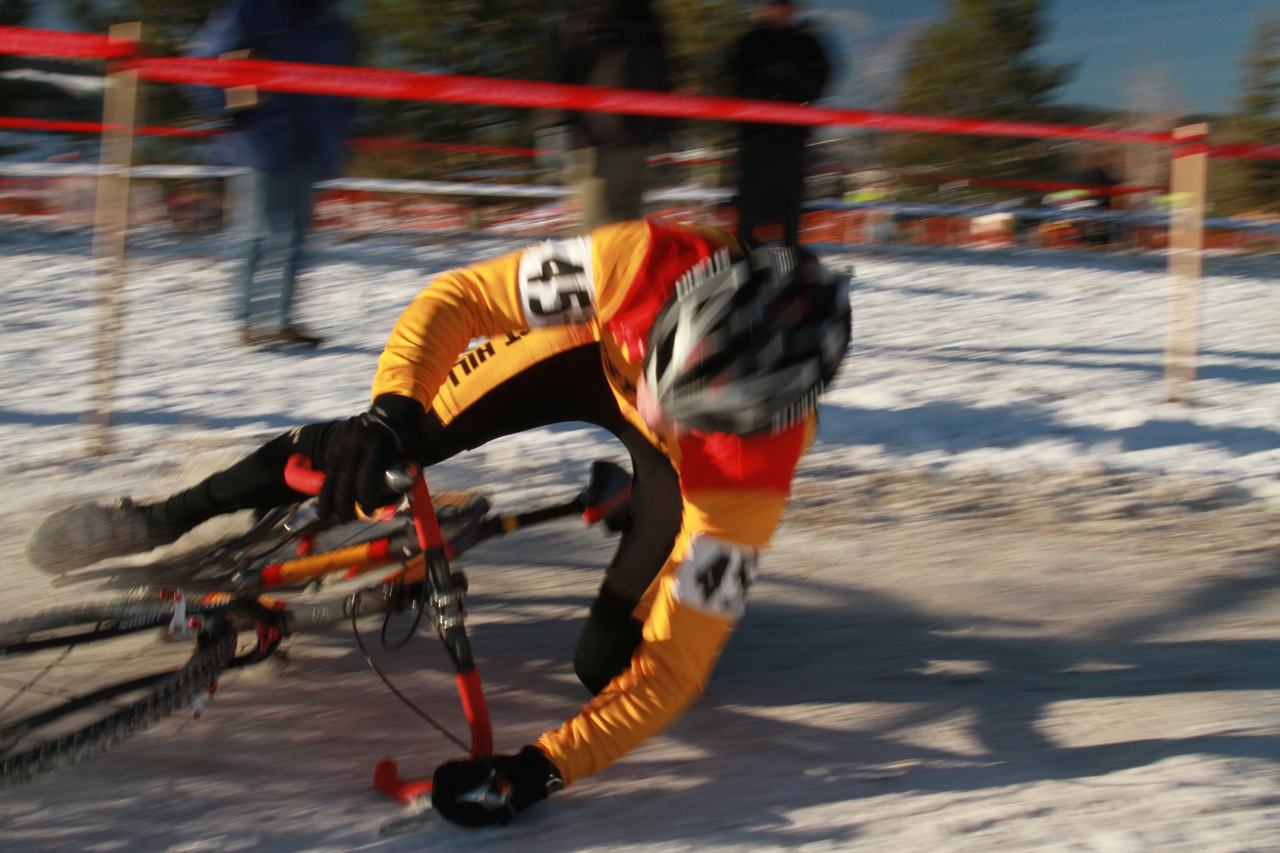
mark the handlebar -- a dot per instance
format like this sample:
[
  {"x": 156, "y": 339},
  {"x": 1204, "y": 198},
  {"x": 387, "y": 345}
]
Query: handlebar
[
  {"x": 446, "y": 593},
  {"x": 301, "y": 476}
]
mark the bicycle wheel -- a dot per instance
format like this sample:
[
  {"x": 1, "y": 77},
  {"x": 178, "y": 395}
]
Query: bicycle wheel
[{"x": 77, "y": 680}]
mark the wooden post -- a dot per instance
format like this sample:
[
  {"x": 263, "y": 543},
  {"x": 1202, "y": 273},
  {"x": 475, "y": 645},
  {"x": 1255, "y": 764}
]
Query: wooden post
[
  {"x": 1186, "y": 253},
  {"x": 110, "y": 226}
]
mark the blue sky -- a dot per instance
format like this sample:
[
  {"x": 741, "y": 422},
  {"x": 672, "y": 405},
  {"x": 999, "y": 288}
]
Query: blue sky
[{"x": 1183, "y": 55}]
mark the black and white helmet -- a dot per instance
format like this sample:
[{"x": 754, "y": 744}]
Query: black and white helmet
[{"x": 748, "y": 345}]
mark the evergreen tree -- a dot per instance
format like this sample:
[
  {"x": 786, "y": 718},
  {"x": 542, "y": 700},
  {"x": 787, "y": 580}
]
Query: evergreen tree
[
  {"x": 1254, "y": 185},
  {"x": 978, "y": 63},
  {"x": 700, "y": 34},
  {"x": 12, "y": 14}
]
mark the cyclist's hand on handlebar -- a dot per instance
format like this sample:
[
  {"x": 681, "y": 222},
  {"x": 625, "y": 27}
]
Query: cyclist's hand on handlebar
[
  {"x": 491, "y": 790},
  {"x": 362, "y": 449}
]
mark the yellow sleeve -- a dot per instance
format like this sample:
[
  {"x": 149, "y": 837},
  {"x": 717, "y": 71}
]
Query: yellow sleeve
[
  {"x": 479, "y": 301},
  {"x": 697, "y": 601}
]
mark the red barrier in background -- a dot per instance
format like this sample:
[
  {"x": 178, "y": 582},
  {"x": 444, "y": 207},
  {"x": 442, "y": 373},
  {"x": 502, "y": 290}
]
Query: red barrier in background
[
  {"x": 51, "y": 125},
  {"x": 381, "y": 143},
  {"x": 417, "y": 86},
  {"x": 377, "y": 143},
  {"x": 1038, "y": 186},
  {"x": 1244, "y": 150},
  {"x": 24, "y": 41},
  {"x": 95, "y": 127}
]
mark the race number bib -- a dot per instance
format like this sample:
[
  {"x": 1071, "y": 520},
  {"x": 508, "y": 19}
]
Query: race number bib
[
  {"x": 556, "y": 286},
  {"x": 715, "y": 576}
]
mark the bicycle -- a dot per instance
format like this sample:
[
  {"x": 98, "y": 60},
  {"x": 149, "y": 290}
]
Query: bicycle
[{"x": 228, "y": 607}]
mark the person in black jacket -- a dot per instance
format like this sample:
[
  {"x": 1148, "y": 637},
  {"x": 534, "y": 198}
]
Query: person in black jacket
[
  {"x": 617, "y": 44},
  {"x": 776, "y": 60}
]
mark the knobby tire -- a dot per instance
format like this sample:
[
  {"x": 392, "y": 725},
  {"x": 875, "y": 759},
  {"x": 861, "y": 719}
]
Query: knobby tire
[{"x": 165, "y": 692}]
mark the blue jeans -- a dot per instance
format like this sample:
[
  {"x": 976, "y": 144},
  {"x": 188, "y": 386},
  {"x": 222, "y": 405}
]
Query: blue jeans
[{"x": 278, "y": 216}]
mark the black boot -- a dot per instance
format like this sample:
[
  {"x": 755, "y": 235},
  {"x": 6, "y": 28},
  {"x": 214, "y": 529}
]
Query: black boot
[{"x": 82, "y": 535}]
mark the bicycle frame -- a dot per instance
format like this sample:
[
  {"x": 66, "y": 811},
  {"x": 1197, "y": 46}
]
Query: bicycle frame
[
  {"x": 407, "y": 551},
  {"x": 445, "y": 596},
  {"x": 426, "y": 558},
  {"x": 199, "y": 601}
]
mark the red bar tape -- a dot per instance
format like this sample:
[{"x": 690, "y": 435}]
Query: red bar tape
[
  {"x": 301, "y": 477},
  {"x": 387, "y": 779}
]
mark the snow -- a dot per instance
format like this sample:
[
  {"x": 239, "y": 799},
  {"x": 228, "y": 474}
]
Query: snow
[{"x": 1019, "y": 601}]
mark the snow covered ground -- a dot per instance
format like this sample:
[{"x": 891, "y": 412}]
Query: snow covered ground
[{"x": 1018, "y": 602}]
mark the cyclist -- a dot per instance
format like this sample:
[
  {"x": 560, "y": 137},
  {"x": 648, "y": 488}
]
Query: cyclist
[{"x": 705, "y": 359}]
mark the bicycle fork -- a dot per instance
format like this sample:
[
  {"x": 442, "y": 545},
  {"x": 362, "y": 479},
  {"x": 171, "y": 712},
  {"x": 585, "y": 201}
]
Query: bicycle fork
[{"x": 447, "y": 600}]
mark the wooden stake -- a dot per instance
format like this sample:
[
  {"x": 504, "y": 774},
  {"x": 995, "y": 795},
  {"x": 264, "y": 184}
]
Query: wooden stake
[
  {"x": 239, "y": 97},
  {"x": 110, "y": 226},
  {"x": 1186, "y": 254}
]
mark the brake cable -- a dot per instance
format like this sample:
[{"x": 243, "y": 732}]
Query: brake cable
[{"x": 355, "y": 630}]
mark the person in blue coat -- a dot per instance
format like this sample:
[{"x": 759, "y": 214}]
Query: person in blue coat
[{"x": 287, "y": 141}]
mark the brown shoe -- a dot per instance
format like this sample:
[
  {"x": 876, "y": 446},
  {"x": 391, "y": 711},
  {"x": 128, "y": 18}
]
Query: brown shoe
[
  {"x": 296, "y": 337},
  {"x": 255, "y": 336},
  {"x": 270, "y": 338}
]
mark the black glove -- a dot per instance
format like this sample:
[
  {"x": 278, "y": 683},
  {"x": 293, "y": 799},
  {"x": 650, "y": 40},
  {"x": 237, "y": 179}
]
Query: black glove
[
  {"x": 492, "y": 790},
  {"x": 361, "y": 450}
]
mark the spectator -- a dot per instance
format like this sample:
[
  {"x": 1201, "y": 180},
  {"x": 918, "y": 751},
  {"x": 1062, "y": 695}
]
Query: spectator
[
  {"x": 287, "y": 141},
  {"x": 1100, "y": 184},
  {"x": 617, "y": 44},
  {"x": 778, "y": 59}
]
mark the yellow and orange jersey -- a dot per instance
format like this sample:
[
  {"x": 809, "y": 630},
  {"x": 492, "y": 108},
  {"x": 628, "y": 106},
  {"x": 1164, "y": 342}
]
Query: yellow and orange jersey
[{"x": 607, "y": 287}]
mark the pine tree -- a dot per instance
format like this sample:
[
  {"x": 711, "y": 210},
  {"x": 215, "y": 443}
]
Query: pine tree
[
  {"x": 977, "y": 63},
  {"x": 11, "y": 15},
  {"x": 1254, "y": 185}
]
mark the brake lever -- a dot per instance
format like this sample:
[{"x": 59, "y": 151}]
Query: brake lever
[
  {"x": 302, "y": 519},
  {"x": 400, "y": 478}
]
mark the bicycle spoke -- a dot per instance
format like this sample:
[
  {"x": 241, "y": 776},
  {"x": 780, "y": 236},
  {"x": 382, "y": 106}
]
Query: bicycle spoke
[
  {"x": 30, "y": 685},
  {"x": 52, "y": 690}
]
